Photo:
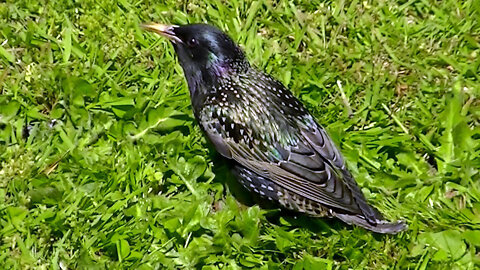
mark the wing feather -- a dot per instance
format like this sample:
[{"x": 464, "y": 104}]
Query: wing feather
[{"x": 308, "y": 164}]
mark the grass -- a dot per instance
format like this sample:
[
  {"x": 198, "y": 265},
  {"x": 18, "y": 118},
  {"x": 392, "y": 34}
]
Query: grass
[{"x": 102, "y": 165}]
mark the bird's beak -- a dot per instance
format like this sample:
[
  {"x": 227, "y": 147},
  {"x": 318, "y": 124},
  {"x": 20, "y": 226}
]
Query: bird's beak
[{"x": 162, "y": 29}]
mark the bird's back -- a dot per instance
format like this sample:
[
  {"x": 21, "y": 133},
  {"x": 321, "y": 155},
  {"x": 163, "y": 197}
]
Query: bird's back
[{"x": 254, "y": 120}]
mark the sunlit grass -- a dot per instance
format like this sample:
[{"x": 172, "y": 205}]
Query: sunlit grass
[{"x": 103, "y": 166}]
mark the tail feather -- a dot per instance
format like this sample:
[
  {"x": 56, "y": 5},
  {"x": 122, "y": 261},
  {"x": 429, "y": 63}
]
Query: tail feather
[{"x": 381, "y": 226}]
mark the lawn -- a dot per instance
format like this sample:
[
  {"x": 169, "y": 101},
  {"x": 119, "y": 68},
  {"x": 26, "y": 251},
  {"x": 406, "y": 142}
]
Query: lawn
[{"x": 103, "y": 166}]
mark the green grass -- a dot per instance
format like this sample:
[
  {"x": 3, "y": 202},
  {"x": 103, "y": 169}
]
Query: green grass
[{"x": 116, "y": 174}]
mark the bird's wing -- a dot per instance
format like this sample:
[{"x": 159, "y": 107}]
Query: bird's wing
[
  {"x": 305, "y": 171},
  {"x": 311, "y": 166}
]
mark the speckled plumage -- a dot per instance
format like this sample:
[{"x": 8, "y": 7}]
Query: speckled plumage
[{"x": 279, "y": 151}]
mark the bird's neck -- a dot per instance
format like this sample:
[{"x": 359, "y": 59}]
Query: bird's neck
[{"x": 202, "y": 81}]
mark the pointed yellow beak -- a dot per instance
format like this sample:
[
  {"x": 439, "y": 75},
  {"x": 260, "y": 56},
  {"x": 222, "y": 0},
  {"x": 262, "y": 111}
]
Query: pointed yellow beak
[{"x": 163, "y": 30}]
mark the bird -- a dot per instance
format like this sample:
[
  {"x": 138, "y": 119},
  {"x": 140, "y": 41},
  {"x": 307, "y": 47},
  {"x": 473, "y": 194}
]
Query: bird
[{"x": 277, "y": 148}]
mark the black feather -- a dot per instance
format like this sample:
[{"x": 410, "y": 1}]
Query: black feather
[{"x": 280, "y": 151}]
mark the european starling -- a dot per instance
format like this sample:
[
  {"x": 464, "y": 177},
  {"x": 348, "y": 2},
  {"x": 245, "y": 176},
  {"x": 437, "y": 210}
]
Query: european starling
[{"x": 278, "y": 149}]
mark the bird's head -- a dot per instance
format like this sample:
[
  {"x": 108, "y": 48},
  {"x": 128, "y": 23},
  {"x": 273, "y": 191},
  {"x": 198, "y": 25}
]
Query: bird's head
[{"x": 204, "y": 51}]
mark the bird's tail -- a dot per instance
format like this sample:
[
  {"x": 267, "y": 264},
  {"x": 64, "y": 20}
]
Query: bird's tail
[{"x": 381, "y": 226}]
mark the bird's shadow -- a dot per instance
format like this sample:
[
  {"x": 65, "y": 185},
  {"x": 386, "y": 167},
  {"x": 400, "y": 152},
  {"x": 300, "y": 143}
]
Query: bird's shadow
[{"x": 317, "y": 225}]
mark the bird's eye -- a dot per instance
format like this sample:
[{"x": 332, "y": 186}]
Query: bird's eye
[{"x": 192, "y": 42}]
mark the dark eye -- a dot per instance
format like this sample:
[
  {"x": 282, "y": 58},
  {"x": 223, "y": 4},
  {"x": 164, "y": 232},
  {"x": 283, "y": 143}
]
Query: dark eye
[{"x": 192, "y": 42}]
